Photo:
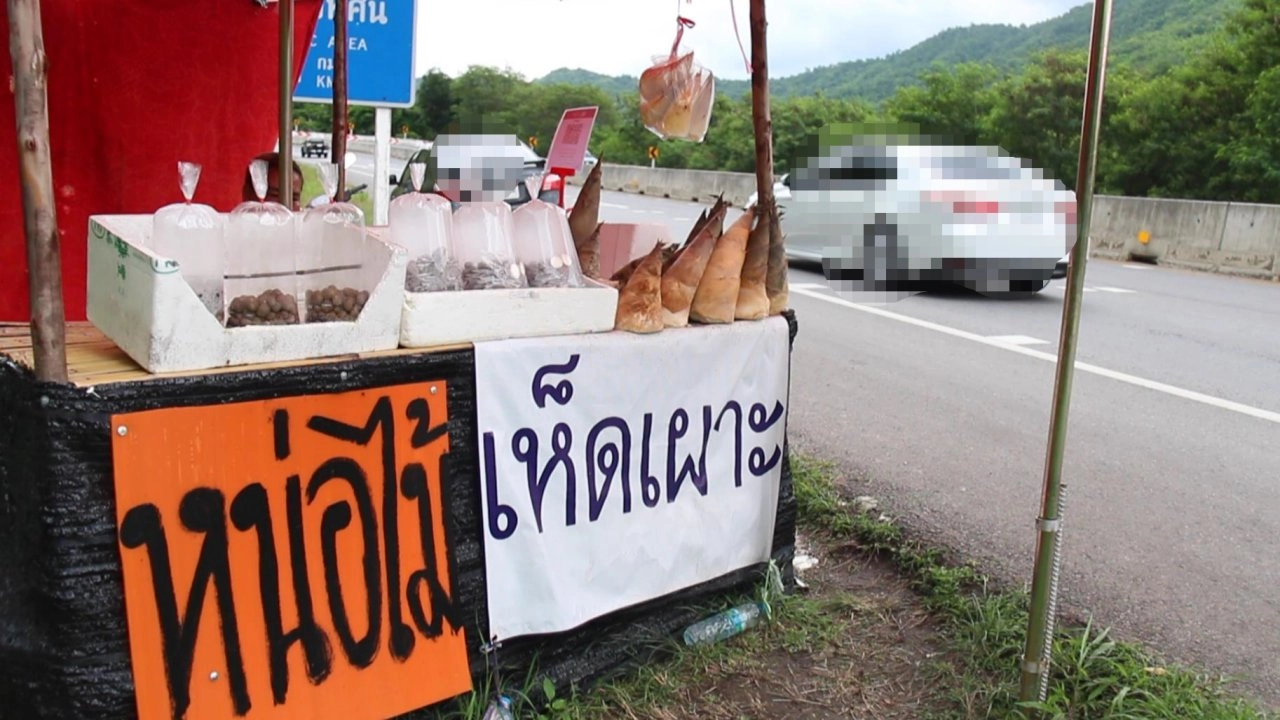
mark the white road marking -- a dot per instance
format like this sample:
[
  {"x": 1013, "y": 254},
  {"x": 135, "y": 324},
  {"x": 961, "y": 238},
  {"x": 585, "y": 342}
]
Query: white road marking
[
  {"x": 809, "y": 286},
  {"x": 1088, "y": 289},
  {"x": 1136, "y": 266},
  {"x": 657, "y": 212},
  {"x": 1183, "y": 393},
  {"x": 1016, "y": 340},
  {"x": 614, "y": 206}
]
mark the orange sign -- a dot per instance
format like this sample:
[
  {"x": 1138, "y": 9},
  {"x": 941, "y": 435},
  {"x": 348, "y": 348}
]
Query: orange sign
[{"x": 288, "y": 558}]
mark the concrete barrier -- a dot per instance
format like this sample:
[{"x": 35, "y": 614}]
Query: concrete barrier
[
  {"x": 1221, "y": 237},
  {"x": 702, "y": 186},
  {"x": 400, "y": 150}
]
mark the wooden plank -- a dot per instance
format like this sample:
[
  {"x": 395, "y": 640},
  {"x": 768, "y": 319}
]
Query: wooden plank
[{"x": 93, "y": 359}]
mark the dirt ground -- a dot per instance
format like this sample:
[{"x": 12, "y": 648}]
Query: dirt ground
[{"x": 857, "y": 644}]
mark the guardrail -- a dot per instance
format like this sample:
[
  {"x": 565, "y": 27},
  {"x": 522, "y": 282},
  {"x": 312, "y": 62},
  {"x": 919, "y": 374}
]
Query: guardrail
[{"x": 1229, "y": 238}]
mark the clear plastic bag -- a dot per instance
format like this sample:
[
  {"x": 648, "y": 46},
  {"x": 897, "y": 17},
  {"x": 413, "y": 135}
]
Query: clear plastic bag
[
  {"x": 192, "y": 234},
  {"x": 544, "y": 246},
  {"x": 261, "y": 286},
  {"x": 483, "y": 234},
  {"x": 331, "y": 257},
  {"x": 422, "y": 224},
  {"x": 677, "y": 94}
]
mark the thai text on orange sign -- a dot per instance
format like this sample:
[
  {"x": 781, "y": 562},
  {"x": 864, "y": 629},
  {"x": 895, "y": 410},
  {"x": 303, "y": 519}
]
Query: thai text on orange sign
[{"x": 289, "y": 558}]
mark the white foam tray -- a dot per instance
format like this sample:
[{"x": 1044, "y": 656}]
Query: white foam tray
[
  {"x": 447, "y": 318},
  {"x": 140, "y": 301}
]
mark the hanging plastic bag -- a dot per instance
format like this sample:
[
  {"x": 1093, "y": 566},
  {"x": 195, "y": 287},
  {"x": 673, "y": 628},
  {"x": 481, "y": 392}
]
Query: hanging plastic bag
[
  {"x": 544, "y": 246},
  {"x": 422, "y": 224},
  {"x": 676, "y": 93},
  {"x": 331, "y": 257},
  {"x": 192, "y": 234},
  {"x": 261, "y": 286}
]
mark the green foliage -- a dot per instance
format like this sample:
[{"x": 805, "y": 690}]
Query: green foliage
[
  {"x": 1191, "y": 107},
  {"x": 1149, "y": 35}
]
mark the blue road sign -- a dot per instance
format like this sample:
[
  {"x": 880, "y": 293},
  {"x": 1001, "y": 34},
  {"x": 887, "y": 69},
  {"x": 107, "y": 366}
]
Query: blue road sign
[{"x": 380, "y": 48}]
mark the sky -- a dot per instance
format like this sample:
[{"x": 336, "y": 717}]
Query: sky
[{"x": 617, "y": 37}]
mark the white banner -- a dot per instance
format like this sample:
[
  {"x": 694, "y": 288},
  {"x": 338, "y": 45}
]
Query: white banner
[{"x": 618, "y": 468}]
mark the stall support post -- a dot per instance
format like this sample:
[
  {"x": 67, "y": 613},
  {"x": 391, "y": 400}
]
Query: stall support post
[
  {"x": 40, "y": 219},
  {"x": 381, "y": 165},
  {"x": 338, "y": 148},
  {"x": 1044, "y": 587},
  {"x": 285, "y": 172},
  {"x": 766, "y": 204}
]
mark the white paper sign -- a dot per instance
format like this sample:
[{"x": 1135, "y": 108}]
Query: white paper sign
[{"x": 618, "y": 468}]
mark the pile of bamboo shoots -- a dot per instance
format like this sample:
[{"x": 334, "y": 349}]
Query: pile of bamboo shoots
[{"x": 718, "y": 275}]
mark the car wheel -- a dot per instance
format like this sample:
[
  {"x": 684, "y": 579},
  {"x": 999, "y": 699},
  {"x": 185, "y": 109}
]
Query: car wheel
[
  {"x": 1019, "y": 289},
  {"x": 882, "y": 261}
]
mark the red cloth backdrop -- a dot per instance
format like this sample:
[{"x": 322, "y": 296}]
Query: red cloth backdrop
[{"x": 134, "y": 87}]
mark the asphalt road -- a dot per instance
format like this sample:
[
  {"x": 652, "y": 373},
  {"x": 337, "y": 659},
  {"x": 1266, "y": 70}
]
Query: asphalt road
[{"x": 939, "y": 406}]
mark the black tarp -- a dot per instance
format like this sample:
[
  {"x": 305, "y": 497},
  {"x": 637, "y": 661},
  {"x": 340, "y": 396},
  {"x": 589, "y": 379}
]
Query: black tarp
[{"x": 63, "y": 636}]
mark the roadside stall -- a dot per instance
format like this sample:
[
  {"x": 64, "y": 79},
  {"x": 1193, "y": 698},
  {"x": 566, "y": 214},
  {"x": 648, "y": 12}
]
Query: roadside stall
[{"x": 298, "y": 465}]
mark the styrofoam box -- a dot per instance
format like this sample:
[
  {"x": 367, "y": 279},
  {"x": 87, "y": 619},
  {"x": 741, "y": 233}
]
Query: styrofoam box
[
  {"x": 141, "y": 302},
  {"x": 445, "y": 318}
]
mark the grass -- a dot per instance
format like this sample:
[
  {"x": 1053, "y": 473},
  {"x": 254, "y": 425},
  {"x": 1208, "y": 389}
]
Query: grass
[
  {"x": 312, "y": 186},
  {"x": 1092, "y": 675},
  {"x": 890, "y": 629}
]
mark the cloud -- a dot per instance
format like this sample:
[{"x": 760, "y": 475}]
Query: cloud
[{"x": 617, "y": 37}]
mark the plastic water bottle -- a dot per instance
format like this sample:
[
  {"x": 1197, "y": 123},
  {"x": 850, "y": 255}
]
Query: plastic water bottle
[
  {"x": 500, "y": 709},
  {"x": 724, "y": 625}
]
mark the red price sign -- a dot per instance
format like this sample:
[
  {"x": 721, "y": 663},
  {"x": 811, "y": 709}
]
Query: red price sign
[{"x": 569, "y": 146}]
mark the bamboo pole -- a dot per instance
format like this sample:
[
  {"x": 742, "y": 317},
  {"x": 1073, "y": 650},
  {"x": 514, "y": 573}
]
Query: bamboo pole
[
  {"x": 40, "y": 218},
  {"x": 1044, "y": 588},
  {"x": 285, "y": 171},
  {"x": 339, "y": 144},
  {"x": 766, "y": 204}
]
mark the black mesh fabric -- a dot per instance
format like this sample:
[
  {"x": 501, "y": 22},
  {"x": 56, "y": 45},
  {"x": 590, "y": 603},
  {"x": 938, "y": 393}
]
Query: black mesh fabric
[{"x": 63, "y": 637}]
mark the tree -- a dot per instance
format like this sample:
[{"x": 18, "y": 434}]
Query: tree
[
  {"x": 1038, "y": 114},
  {"x": 486, "y": 100},
  {"x": 951, "y": 103},
  {"x": 435, "y": 104}
]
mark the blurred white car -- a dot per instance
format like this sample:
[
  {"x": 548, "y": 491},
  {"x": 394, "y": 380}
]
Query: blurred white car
[
  {"x": 588, "y": 162},
  {"x": 902, "y": 217}
]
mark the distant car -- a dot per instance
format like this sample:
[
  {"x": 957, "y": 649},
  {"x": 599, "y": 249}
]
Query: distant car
[
  {"x": 315, "y": 148},
  {"x": 781, "y": 192},
  {"x": 588, "y": 162},
  {"x": 902, "y": 217},
  {"x": 530, "y": 164}
]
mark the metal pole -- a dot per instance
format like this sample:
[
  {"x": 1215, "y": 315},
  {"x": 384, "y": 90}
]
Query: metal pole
[
  {"x": 1035, "y": 659},
  {"x": 381, "y": 165},
  {"x": 285, "y": 172},
  {"x": 339, "y": 152},
  {"x": 40, "y": 216}
]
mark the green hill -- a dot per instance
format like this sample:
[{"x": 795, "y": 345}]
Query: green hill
[{"x": 1150, "y": 35}]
